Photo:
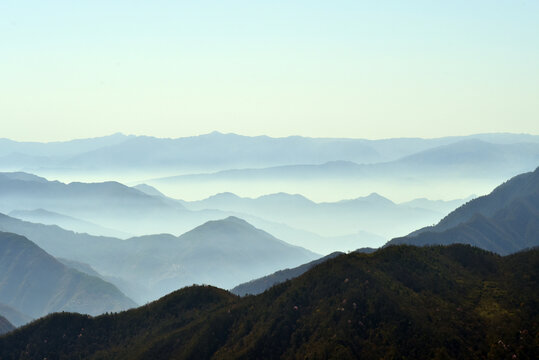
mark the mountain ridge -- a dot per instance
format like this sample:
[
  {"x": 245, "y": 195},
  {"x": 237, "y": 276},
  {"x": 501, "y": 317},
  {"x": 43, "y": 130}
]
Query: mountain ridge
[
  {"x": 405, "y": 301},
  {"x": 35, "y": 283},
  {"x": 504, "y": 221}
]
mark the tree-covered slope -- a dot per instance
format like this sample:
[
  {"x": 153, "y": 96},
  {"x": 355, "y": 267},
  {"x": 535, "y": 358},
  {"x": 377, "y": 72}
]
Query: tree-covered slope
[{"x": 400, "y": 302}]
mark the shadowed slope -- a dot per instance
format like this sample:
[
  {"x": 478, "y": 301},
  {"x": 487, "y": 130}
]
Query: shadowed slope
[
  {"x": 401, "y": 301},
  {"x": 35, "y": 283},
  {"x": 505, "y": 221}
]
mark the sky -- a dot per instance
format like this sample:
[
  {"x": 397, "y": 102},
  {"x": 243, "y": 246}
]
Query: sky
[{"x": 364, "y": 69}]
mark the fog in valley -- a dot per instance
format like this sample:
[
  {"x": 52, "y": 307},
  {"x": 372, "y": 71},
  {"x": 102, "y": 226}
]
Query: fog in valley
[{"x": 144, "y": 216}]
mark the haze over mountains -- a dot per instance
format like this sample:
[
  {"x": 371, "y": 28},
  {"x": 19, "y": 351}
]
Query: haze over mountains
[
  {"x": 474, "y": 165},
  {"x": 371, "y": 214},
  {"x": 34, "y": 283},
  {"x": 217, "y": 151},
  {"x": 91, "y": 247},
  {"x": 422, "y": 303},
  {"x": 113, "y": 209},
  {"x": 221, "y": 253},
  {"x": 5, "y": 325},
  {"x": 505, "y": 221},
  {"x": 333, "y": 168}
]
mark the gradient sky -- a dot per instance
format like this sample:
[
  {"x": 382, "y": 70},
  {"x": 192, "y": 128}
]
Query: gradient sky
[{"x": 370, "y": 69}]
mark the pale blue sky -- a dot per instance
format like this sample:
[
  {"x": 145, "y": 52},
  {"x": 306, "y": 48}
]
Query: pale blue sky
[{"x": 373, "y": 69}]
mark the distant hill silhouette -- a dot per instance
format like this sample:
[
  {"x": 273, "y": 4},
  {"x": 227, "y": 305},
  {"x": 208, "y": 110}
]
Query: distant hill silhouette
[
  {"x": 5, "y": 325},
  {"x": 466, "y": 158},
  {"x": 401, "y": 301},
  {"x": 36, "y": 284},
  {"x": 217, "y": 151},
  {"x": 258, "y": 286},
  {"x": 95, "y": 206},
  {"x": 224, "y": 253},
  {"x": 505, "y": 221},
  {"x": 373, "y": 214},
  {"x": 46, "y": 217},
  {"x": 150, "y": 190},
  {"x": 14, "y": 316}
]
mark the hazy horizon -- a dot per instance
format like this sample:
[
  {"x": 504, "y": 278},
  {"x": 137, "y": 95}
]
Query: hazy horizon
[
  {"x": 128, "y": 134},
  {"x": 360, "y": 69}
]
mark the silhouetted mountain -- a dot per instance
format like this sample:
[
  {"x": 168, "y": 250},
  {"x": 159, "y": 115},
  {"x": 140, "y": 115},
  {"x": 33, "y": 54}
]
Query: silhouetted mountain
[
  {"x": 453, "y": 159},
  {"x": 505, "y": 221},
  {"x": 5, "y": 325},
  {"x": 79, "y": 266},
  {"x": 217, "y": 151},
  {"x": 441, "y": 206},
  {"x": 108, "y": 204},
  {"x": 46, "y": 217},
  {"x": 14, "y": 316},
  {"x": 35, "y": 283},
  {"x": 149, "y": 190},
  {"x": 445, "y": 170},
  {"x": 26, "y": 191},
  {"x": 373, "y": 214},
  {"x": 223, "y": 253},
  {"x": 258, "y": 286},
  {"x": 399, "y": 302},
  {"x": 519, "y": 186},
  {"x": 61, "y": 149}
]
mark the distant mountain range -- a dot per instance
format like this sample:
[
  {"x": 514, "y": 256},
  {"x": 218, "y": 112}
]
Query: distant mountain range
[
  {"x": 35, "y": 283},
  {"x": 14, "y": 316},
  {"x": 258, "y": 286},
  {"x": 434, "y": 172},
  {"x": 372, "y": 214},
  {"x": 466, "y": 158},
  {"x": 223, "y": 253},
  {"x": 219, "y": 151},
  {"x": 505, "y": 221},
  {"x": 84, "y": 207},
  {"x": 407, "y": 302},
  {"x": 46, "y": 217},
  {"x": 113, "y": 209},
  {"x": 5, "y": 325}
]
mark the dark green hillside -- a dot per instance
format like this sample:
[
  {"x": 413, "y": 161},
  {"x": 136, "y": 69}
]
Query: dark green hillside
[{"x": 409, "y": 302}]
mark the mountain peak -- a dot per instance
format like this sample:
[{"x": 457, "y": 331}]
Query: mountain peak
[{"x": 224, "y": 195}]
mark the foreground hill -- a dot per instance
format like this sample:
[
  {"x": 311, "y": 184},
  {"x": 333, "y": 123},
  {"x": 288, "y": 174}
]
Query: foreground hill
[
  {"x": 36, "y": 284},
  {"x": 505, "y": 221},
  {"x": 221, "y": 253},
  {"x": 399, "y": 302}
]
